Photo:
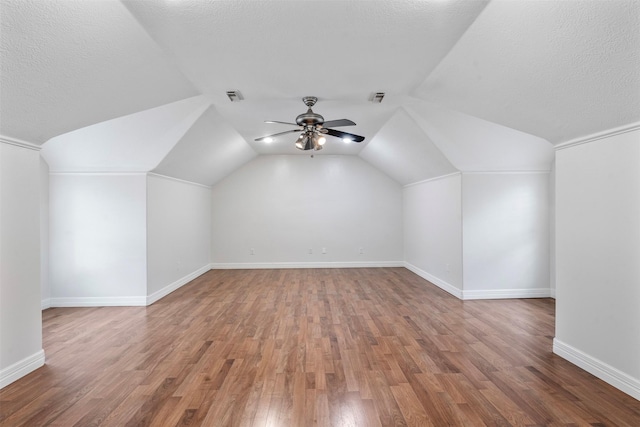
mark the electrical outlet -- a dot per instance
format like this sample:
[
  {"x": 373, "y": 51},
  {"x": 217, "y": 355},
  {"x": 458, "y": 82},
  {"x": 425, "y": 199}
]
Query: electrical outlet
[
  {"x": 252, "y": 251},
  {"x": 310, "y": 251},
  {"x": 324, "y": 250},
  {"x": 361, "y": 250}
]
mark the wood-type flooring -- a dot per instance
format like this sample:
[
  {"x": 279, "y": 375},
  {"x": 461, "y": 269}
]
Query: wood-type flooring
[{"x": 326, "y": 347}]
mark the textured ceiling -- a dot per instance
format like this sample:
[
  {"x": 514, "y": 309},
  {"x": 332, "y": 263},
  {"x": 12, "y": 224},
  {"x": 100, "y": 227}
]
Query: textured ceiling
[
  {"x": 475, "y": 145},
  {"x": 405, "y": 152},
  {"x": 277, "y": 52},
  {"x": 470, "y": 85},
  {"x": 134, "y": 143},
  {"x": 336, "y": 50},
  {"x": 208, "y": 152},
  {"x": 556, "y": 69},
  {"x": 67, "y": 64}
]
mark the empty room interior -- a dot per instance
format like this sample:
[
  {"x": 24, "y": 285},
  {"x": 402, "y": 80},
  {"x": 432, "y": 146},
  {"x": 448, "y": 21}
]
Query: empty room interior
[{"x": 345, "y": 213}]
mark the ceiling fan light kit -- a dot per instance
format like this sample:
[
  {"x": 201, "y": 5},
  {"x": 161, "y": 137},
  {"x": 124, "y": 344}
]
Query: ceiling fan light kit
[{"x": 313, "y": 129}]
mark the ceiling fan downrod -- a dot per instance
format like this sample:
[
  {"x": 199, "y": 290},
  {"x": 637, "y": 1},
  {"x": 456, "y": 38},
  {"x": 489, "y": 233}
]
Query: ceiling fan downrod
[{"x": 309, "y": 119}]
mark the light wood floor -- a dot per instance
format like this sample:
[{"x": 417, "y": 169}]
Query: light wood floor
[{"x": 341, "y": 347}]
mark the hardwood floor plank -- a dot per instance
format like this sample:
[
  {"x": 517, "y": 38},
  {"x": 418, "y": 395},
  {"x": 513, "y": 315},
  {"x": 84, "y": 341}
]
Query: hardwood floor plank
[
  {"x": 314, "y": 347},
  {"x": 412, "y": 410},
  {"x": 507, "y": 408}
]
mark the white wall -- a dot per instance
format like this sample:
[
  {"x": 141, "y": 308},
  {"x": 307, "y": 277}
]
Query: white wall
[
  {"x": 98, "y": 239},
  {"x": 283, "y": 206},
  {"x": 178, "y": 233},
  {"x": 20, "y": 313},
  {"x": 552, "y": 230},
  {"x": 505, "y": 235},
  {"x": 598, "y": 258},
  {"x": 433, "y": 231},
  {"x": 45, "y": 287}
]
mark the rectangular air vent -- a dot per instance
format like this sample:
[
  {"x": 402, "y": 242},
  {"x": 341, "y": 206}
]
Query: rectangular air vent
[
  {"x": 376, "y": 97},
  {"x": 235, "y": 95}
]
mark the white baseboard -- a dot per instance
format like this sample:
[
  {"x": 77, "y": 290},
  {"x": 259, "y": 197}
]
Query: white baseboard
[
  {"x": 277, "y": 265},
  {"x": 506, "y": 293},
  {"x": 45, "y": 303},
  {"x": 99, "y": 302},
  {"x": 177, "y": 284},
  {"x": 124, "y": 301},
  {"x": 606, "y": 373},
  {"x": 480, "y": 294},
  {"x": 445, "y": 286},
  {"x": 21, "y": 368}
]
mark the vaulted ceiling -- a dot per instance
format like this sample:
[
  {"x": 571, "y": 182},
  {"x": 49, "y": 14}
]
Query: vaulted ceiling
[{"x": 470, "y": 85}]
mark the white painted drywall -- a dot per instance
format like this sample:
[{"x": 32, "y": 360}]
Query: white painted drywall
[
  {"x": 403, "y": 151},
  {"x": 505, "y": 232},
  {"x": 45, "y": 286},
  {"x": 178, "y": 230},
  {"x": 20, "y": 313},
  {"x": 70, "y": 64},
  {"x": 390, "y": 46},
  {"x": 433, "y": 231},
  {"x": 598, "y": 253},
  {"x": 472, "y": 144},
  {"x": 556, "y": 69},
  {"x": 133, "y": 143},
  {"x": 282, "y": 206},
  {"x": 208, "y": 152},
  {"x": 552, "y": 229},
  {"x": 97, "y": 238}
]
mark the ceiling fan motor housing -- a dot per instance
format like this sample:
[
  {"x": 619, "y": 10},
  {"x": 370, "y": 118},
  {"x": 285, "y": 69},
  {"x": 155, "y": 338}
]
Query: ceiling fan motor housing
[{"x": 309, "y": 119}]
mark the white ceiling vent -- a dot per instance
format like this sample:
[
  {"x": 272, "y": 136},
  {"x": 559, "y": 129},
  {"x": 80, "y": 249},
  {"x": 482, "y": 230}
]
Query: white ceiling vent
[
  {"x": 376, "y": 97},
  {"x": 235, "y": 95}
]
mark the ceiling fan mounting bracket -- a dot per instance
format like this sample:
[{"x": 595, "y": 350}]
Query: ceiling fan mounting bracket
[{"x": 310, "y": 101}]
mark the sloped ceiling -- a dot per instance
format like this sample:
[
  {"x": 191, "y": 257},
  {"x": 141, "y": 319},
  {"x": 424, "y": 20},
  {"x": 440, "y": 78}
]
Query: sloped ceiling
[
  {"x": 67, "y": 64},
  {"x": 405, "y": 152},
  {"x": 338, "y": 50},
  {"x": 470, "y": 85},
  {"x": 556, "y": 69},
  {"x": 209, "y": 151},
  {"x": 277, "y": 52},
  {"x": 134, "y": 143},
  {"x": 475, "y": 145}
]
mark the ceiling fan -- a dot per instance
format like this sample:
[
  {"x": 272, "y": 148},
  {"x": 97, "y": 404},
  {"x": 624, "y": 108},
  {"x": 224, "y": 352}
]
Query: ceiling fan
[{"x": 313, "y": 129}]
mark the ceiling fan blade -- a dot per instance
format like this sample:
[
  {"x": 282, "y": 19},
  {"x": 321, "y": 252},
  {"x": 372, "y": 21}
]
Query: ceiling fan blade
[
  {"x": 282, "y": 123},
  {"x": 338, "y": 123},
  {"x": 277, "y": 134},
  {"x": 339, "y": 134}
]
